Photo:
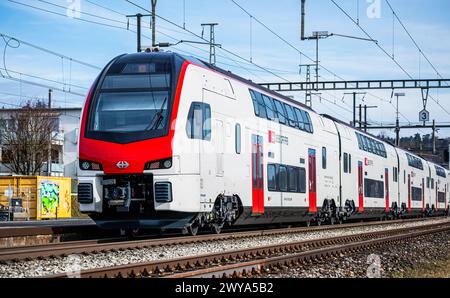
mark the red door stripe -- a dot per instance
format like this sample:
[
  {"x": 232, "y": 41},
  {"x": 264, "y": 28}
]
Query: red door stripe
[
  {"x": 312, "y": 181},
  {"x": 360, "y": 187},
  {"x": 386, "y": 179}
]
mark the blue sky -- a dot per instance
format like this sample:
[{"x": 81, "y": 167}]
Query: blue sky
[{"x": 427, "y": 21}]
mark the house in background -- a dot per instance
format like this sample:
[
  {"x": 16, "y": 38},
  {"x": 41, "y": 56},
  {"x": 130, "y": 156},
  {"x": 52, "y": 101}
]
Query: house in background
[{"x": 64, "y": 147}]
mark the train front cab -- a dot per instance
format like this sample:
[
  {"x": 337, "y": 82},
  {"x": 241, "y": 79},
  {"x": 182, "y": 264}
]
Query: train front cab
[{"x": 130, "y": 174}]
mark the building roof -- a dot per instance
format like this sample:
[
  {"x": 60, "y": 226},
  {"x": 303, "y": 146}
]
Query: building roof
[{"x": 74, "y": 109}]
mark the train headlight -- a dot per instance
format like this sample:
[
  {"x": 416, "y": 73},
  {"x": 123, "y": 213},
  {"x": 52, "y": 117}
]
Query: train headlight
[
  {"x": 85, "y": 165},
  {"x": 160, "y": 164},
  {"x": 168, "y": 163},
  {"x": 90, "y": 166}
]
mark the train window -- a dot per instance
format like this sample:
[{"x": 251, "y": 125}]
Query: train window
[
  {"x": 302, "y": 180},
  {"x": 271, "y": 115},
  {"x": 370, "y": 145},
  {"x": 308, "y": 125},
  {"x": 271, "y": 177},
  {"x": 293, "y": 179},
  {"x": 135, "y": 68},
  {"x": 416, "y": 194},
  {"x": 282, "y": 178},
  {"x": 324, "y": 158},
  {"x": 147, "y": 81},
  {"x": 255, "y": 102},
  {"x": 238, "y": 138},
  {"x": 345, "y": 163},
  {"x": 301, "y": 122},
  {"x": 441, "y": 197},
  {"x": 404, "y": 177},
  {"x": 199, "y": 121},
  {"x": 440, "y": 171},
  {"x": 291, "y": 115},
  {"x": 414, "y": 161},
  {"x": 395, "y": 174},
  {"x": 428, "y": 182},
  {"x": 350, "y": 163},
  {"x": 373, "y": 188},
  {"x": 432, "y": 183},
  {"x": 360, "y": 143},
  {"x": 280, "y": 111},
  {"x": 261, "y": 105}
]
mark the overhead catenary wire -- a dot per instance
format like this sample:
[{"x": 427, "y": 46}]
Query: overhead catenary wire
[
  {"x": 413, "y": 40},
  {"x": 382, "y": 49},
  {"x": 21, "y": 41},
  {"x": 205, "y": 40}
]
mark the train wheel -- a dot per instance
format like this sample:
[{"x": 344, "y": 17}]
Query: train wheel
[
  {"x": 332, "y": 220},
  {"x": 308, "y": 223},
  {"x": 319, "y": 223}
]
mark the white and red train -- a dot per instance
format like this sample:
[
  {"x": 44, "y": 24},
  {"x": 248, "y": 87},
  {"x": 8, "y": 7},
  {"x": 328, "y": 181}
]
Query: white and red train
[{"x": 169, "y": 141}]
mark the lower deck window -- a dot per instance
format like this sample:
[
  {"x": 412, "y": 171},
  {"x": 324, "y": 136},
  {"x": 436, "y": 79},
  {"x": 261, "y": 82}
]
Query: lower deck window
[
  {"x": 283, "y": 178},
  {"x": 373, "y": 188},
  {"x": 441, "y": 197},
  {"x": 416, "y": 194},
  {"x": 272, "y": 178}
]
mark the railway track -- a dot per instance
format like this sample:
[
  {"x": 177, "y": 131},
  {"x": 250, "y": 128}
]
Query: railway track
[
  {"x": 114, "y": 244},
  {"x": 256, "y": 260}
]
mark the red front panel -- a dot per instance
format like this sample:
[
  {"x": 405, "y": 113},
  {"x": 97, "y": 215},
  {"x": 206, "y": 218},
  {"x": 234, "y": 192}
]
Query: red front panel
[
  {"x": 257, "y": 175},
  {"x": 386, "y": 186},
  {"x": 360, "y": 187},
  {"x": 312, "y": 181},
  {"x": 137, "y": 153}
]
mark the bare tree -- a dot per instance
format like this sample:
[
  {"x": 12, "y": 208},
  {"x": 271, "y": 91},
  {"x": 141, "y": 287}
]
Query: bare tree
[{"x": 26, "y": 137}]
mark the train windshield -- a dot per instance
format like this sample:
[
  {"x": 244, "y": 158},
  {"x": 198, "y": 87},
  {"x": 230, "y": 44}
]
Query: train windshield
[
  {"x": 133, "y": 103},
  {"x": 130, "y": 111}
]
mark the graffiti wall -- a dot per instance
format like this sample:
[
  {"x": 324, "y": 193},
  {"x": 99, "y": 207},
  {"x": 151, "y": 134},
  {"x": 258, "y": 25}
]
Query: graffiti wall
[{"x": 53, "y": 198}]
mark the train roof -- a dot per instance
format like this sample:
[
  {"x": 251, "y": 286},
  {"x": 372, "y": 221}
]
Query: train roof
[
  {"x": 141, "y": 57},
  {"x": 256, "y": 86}
]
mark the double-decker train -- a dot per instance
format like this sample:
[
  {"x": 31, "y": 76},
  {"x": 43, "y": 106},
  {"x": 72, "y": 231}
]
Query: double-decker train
[{"x": 169, "y": 141}]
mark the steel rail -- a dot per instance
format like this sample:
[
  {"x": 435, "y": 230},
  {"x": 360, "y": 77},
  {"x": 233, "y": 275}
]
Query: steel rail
[
  {"x": 256, "y": 258},
  {"x": 99, "y": 246}
]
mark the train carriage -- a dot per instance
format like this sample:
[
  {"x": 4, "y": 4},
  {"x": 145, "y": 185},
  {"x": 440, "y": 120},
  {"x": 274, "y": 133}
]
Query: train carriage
[
  {"x": 439, "y": 197},
  {"x": 169, "y": 141}
]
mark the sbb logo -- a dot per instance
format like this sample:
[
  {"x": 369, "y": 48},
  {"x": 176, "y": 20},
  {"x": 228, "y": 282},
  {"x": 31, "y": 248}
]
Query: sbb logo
[{"x": 272, "y": 137}]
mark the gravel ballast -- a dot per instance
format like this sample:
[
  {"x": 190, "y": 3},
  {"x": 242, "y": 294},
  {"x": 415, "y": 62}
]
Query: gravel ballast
[
  {"x": 38, "y": 268},
  {"x": 404, "y": 259}
]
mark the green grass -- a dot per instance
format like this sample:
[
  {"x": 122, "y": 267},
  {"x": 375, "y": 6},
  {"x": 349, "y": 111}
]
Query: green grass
[{"x": 439, "y": 270}]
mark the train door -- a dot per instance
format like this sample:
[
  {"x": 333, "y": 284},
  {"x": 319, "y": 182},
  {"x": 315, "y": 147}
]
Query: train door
[
  {"x": 360, "y": 187},
  {"x": 423, "y": 194},
  {"x": 386, "y": 185},
  {"x": 219, "y": 147},
  {"x": 206, "y": 118},
  {"x": 257, "y": 175},
  {"x": 312, "y": 179}
]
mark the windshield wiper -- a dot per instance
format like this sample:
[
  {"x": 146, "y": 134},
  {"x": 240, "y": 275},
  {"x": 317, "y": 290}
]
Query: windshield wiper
[{"x": 157, "y": 119}]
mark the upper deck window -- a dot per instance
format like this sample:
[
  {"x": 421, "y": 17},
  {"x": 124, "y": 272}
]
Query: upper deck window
[
  {"x": 275, "y": 110},
  {"x": 371, "y": 145},
  {"x": 414, "y": 161},
  {"x": 440, "y": 171}
]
